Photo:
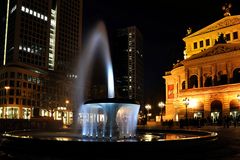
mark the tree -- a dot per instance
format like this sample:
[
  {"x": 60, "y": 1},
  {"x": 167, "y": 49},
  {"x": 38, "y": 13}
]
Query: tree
[{"x": 49, "y": 102}]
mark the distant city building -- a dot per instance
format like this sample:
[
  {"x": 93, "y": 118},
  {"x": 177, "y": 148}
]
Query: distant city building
[
  {"x": 209, "y": 76},
  {"x": 39, "y": 44},
  {"x": 127, "y": 53}
]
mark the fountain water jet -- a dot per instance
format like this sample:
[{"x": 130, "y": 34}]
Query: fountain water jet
[
  {"x": 98, "y": 38},
  {"x": 109, "y": 117}
]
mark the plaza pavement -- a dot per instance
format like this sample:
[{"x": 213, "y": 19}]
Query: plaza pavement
[
  {"x": 228, "y": 143},
  {"x": 226, "y": 147}
]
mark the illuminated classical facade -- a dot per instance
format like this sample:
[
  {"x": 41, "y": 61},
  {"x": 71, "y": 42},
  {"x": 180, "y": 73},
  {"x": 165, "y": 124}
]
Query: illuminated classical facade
[{"x": 209, "y": 75}]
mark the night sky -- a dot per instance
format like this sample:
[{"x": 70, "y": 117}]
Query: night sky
[{"x": 163, "y": 25}]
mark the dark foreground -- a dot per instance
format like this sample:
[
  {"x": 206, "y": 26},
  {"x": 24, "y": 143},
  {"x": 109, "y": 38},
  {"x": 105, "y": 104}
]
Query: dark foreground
[{"x": 226, "y": 147}]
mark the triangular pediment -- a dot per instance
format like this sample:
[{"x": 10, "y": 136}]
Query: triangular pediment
[{"x": 222, "y": 23}]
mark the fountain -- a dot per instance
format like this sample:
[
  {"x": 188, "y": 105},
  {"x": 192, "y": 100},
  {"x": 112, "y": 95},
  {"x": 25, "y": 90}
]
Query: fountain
[
  {"x": 108, "y": 118},
  {"x": 104, "y": 124}
]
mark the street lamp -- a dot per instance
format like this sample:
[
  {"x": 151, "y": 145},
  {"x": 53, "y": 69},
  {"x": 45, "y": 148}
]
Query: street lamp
[
  {"x": 238, "y": 97},
  {"x": 67, "y": 102},
  {"x": 161, "y": 105},
  {"x": 148, "y": 107},
  {"x": 186, "y": 102},
  {"x": 7, "y": 96}
]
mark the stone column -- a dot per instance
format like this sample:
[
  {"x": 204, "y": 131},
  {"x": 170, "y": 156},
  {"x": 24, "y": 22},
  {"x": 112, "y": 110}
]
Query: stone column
[
  {"x": 229, "y": 73},
  {"x": 200, "y": 81},
  {"x": 207, "y": 109},
  {"x": 214, "y": 75},
  {"x": 186, "y": 77}
]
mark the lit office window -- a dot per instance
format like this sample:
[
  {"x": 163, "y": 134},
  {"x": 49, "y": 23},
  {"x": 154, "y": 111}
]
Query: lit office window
[
  {"x": 34, "y": 13},
  {"x": 23, "y": 8}
]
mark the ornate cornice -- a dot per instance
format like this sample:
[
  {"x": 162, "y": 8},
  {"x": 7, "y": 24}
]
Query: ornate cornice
[{"x": 222, "y": 23}]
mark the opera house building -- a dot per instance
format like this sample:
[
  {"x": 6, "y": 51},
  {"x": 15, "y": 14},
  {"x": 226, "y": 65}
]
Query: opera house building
[{"x": 206, "y": 84}]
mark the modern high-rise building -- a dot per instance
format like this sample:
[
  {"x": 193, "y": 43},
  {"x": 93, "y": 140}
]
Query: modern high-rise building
[
  {"x": 39, "y": 43},
  {"x": 127, "y": 53}
]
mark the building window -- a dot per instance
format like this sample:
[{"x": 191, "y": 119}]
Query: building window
[
  {"x": 195, "y": 45},
  {"x": 183, "y": 85},
  {"x": 11, "y": 83},
  {"x": 227, "y": 37},
  {"x": 222, "y": 78},
  {"x": 235, "y": 35},
  {"x": 17, "y": 101},
  {"x": 201, "y": 43},
  {"x": 193, "y": 82},
  {"x": 11, "y": 100},
  {"x": 236, "y": 75},
  {"x": 19, "y": 75},
  {"x": 24, "y": 102},
  {"x": 207, "y": 42},
  {"x": 11, "y": 93},
  {"x": 208, "y": 81},
  {"x": 12, "y": 75}
]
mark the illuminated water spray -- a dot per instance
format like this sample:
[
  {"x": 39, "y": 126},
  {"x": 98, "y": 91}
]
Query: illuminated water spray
[
  {"x": 108, "y": 117},
  {"x": 97, "y": 39}
]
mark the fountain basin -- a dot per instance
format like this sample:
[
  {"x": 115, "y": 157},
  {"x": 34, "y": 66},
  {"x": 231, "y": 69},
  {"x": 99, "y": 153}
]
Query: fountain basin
[{"x": 69, "y": 143}]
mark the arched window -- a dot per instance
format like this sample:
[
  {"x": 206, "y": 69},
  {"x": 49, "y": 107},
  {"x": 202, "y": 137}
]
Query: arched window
[
  {"x": 216, "y": 106},
  {"x": 222, "y": 78},
  {"x": 183, "y": 85},
  {"x": 193, "y": 81},
  {"x": 236, "y": 75},
  {"x": 234, "y": 105},
  {"x": 208, "y": 82},
  {"x": 234, "y": 108},
  {"x": 216, "y": 111}
]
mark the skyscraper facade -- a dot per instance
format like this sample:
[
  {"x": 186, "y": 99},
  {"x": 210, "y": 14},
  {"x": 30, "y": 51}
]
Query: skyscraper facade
[
  {"x": 127, "y": 53},
  {"x": 40, "y": 41}
]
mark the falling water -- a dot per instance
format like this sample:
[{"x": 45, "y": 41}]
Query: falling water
[
  {"x": 109, "y": 118},
  {"x": 97, "y": 39}
]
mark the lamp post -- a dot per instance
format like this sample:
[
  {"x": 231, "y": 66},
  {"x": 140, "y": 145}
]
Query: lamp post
[
  {"x": 67, "y": 102},
  {"x": 238, "y": 97},
  {"x": 236, "y": 113},
  {"x": 186, "y": 102},
  {"x": 161, "y": 105},
  {"x": 148, "y": 107},
  {"x": 7, "y": 96}
]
